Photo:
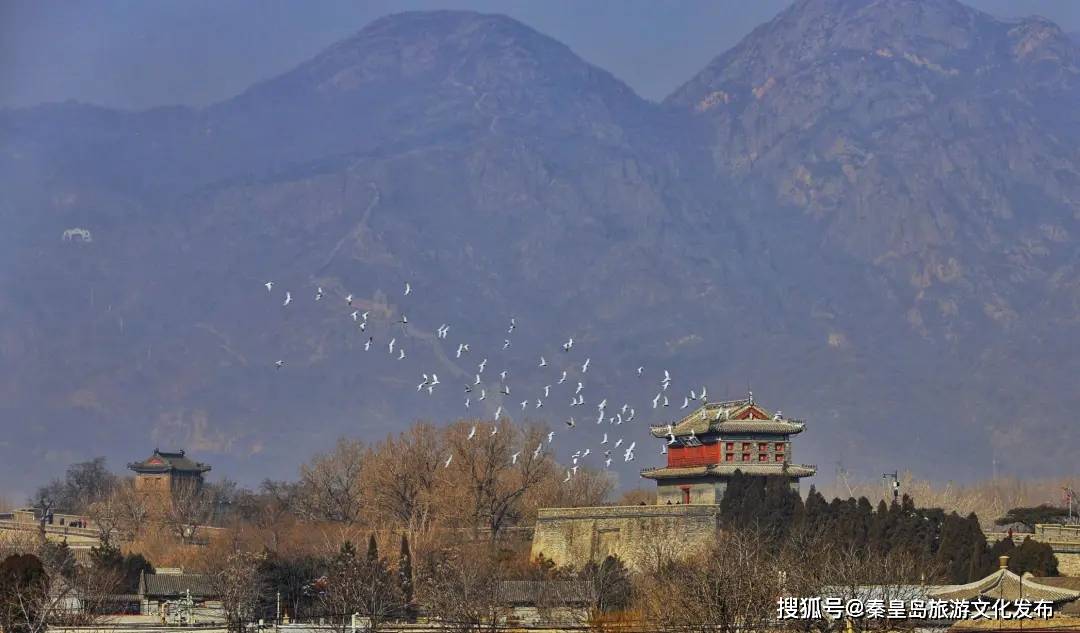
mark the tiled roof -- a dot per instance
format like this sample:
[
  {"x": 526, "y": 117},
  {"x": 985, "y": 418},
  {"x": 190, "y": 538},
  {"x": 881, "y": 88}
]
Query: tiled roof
[
  {"x": 720, "y": 417},
  {"x": 552, "y": 592},
  {"x": 793, "y": 470},
  {"x": 176, "y": 585},
  {"x": 163, "y": 461},
  {"x": 1006, "y": 585}
]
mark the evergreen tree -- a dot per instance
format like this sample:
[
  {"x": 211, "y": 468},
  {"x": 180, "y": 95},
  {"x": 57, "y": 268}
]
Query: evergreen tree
[
  {"x": 372, "y": 549},
  {"x": 405, "y": 578},
  {"x": 1035, "y": 557}
]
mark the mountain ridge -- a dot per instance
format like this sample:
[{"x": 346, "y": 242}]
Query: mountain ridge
[{"x": 566, "y": 200}]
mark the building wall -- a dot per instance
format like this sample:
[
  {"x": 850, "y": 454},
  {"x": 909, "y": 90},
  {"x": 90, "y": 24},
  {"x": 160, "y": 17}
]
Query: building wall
[
  {"x": 636, "y": 534},
  {"x": 701, "y": 491}
]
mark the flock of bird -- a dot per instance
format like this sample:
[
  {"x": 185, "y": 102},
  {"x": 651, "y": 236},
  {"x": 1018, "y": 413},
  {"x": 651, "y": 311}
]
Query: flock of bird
[{"x": 476, "y": 390}]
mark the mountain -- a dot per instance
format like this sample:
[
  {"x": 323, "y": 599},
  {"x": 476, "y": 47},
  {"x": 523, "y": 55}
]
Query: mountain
[{"x": 864, "y": 211}]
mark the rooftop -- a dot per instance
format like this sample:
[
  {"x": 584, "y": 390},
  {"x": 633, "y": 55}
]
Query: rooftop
[
  {"x": 173, "y": 585},
  {"x": 163, "y": 462},
  {"x": 1006, "y": 585},
  {"x": 730, "y": 416}
]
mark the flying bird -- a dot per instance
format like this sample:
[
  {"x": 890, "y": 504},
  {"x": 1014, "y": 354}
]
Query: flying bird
[
  {"x": 494, "y": 429},
  {"x": 579, "y": 388},
  {"x": 348, "y": 300},
  {"x": 498, "y": 411},
  {"x": 368, "y": 342},
  {"x": 543, "y": 362},
  {"x": 408, "y": 288},
  {"x": 514, "y": 457},
  {"x": 401, "y": 354},
  {"x": 656, "y": 400},
  {"x": 585, "y": 365},
  {"x": 513, "y": 324},
  {"x": 288, "y": 298},
  {"x": 524, "y": 404},
  {"x": 568, "y": 344},
  {"x": 278, "y": 364},
  {"x": 604, "y": 441},
  {"x": 391, "y": 344},
  {"x": 449, "y": 459},
  {"x": 355, "y": 315},
  {"x": 570, "y": 423},
  {"x": 506, "y": 343},
  {"x": 640, "y": 370},
  {"x": 318, "y": 293},
  {"x": 550, "y": 436},
  {"x": 472, "y": 433},
  {"x": 547, "y": 391},
  {"x": 562, "y": 378},
  {"x": 269, "y": 286}
]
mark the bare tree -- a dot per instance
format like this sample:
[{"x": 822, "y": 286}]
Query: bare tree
[
  {"x": 403, "y": 477},
  {"x": 492, "y": 485},
  {"x": 236, "y": 579},
  {"x": 461, "y": 589},
  {"x": 331, "y": 487},
  {"x": 189, "y": 509},
  {"x": 362, "y": 585}
]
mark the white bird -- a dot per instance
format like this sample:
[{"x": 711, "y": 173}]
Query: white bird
[
  {"x": 640, "y": 370},
  {"x": 435, "y": 379},
  {"x": 348, "y": 300},
  {"x": 587, "y": 452},
  {"x": 505, "y": 390},
  {"x": 539, "y": 447},
  {"x": 355, "y": 315},
  {"x": 401, "y": 354},
  {"x": 363, "y": 315},
  {"x": 607, "y": 463},
  {"x": 600, "y": 418},
  {"x": 423, "y": 384},
  {"x": 693, "y": 395},
  {"x": 502, "y": 375},
  {"x": 494, "y": 429},
  {"x": 663, "y": 449},
  {"x": 404, "y": 319},
  {"x": 466, "y": 403},
  {"x": 318, "y": 293},
  {"x": 460, "y": 349},
  {"x": 391, "y": 344},
  {"x": 539, "y": 403},
  {"x": 568, "y": 344},
  {"x": 408, "y": 288},
  {"x": 628, "y": 455},
  {"x": 443, "y": 330},
  {"x": 483, "y": 395},
  {"x": 604, "y": 441},
  {"x": 567, "y": 477},
  {"x": 269, "y": 286},
  {"x": 579, "y": 388},
  {"x": 618, "y": 442},
  {"x": 513, "y": 324},
  {"x": 574, "y": 469},
  {"x": 704, "y": 395},
  {"x": 506, "y": 343},
  {"x": 570, "y": 423},
  {"x": 524, "y": 404},
  {"x": 562, "y": 378},
  {"x": 367, "y": 343},
  {"x": 685, "y": 402},
  {"x": 631, "y": 417},
  {"x": 483, "y": 364},
  {"x": 448, "y": 460},
  {"x": 602, "y": 405},
  {"x": 632, "y": 445},
  {"x": 498, "y": 411},
  {"x": 278, "y": 364},
  {"x": 547, "y": 391},
  {"x": 550, "y": 436},
  {"x": 656, "y": 400},
  {"x": 363, "y": 326},
  {"x": 477, "y": 381},
  {"x": 543, "y": 362},
  {"x": 671, "y": 438},
  {"x": 667, "y": 376},
  {"x": 288, "y": 298},
  {"x": 618, "y": 418},
  {"x": 666, "y": 403},
  {"x": 585, "y": 365},
  {"x": 472, "y": 433},
  {"x": 514, "y": 457}
]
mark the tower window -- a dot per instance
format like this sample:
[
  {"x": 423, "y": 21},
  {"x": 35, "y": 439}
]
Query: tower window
[{"x": 746, "y": 457}]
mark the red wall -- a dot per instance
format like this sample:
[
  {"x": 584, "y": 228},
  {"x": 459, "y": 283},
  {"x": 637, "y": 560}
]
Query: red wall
[{"x": 683, "y": 456}]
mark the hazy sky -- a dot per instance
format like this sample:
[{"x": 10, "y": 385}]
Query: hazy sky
[{"x": 143, "y": 53}]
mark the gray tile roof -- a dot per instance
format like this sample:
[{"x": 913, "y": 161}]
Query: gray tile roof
[
  {"x": 176, "y": 585},
  {"x": 748, "y": 468},
  {"x": 1006, "y": 585},
  {"x": 551, "y": 592},
  {"x": 165, "y": 461}
]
